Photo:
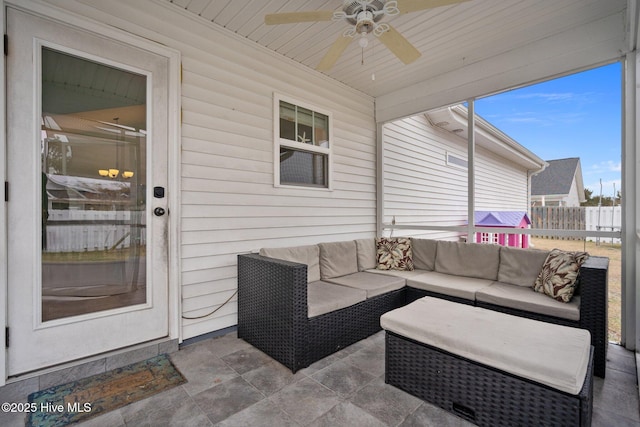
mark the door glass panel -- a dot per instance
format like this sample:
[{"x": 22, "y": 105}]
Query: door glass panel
[{"x": 93, "y": 186}]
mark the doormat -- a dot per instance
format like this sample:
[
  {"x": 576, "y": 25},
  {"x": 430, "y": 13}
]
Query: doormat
[{"x": 89, "y": 397}]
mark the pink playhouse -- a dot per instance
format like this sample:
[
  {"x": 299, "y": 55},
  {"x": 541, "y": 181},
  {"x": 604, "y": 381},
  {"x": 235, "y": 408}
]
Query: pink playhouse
[{"x": 503, "y": 220}]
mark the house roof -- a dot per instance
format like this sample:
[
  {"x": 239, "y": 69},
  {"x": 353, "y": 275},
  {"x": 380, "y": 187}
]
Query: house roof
[
  {"x": 557, "y": 177},
  {"x": 500, "y": 218},
  {"x": 455, "y": 119}
]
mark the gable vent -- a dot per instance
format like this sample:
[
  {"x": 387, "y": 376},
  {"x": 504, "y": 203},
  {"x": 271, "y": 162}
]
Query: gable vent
[{"x": 457, "y": 161}]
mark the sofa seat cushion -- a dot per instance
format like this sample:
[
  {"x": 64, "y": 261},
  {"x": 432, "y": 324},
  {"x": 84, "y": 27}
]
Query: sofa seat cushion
[
  {"x": 550, "y": 354},
  {"x": 323, "y": 297},
  {"x": 405, "y": 274},
  {"x": 373, "y": 284},
  {"x": 309, "y": 255},
  {"x": 448, "y": 284},
  {"x": 521, "y": 298}
]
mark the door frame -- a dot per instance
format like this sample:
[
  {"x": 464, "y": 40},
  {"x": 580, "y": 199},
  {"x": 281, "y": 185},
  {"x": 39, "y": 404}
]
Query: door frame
[{"x": 173, "y": 154}]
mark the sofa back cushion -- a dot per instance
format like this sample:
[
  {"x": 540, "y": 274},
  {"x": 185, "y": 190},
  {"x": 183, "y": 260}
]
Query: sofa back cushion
[
  {"x": 468, "y": 259},
  {"x": 520, "y": 266},
  {"x": 366, "y": 254},
  {"x": 309, "y": 255},
  {"x": 424, "y": 253},
  {"x": 338, "y": 259},
  {"x": 394, "y": 253},
  {"x": 559, "y": 274}
]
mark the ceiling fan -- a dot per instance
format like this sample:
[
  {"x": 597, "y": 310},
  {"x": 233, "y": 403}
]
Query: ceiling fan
[{"x": 364, "y": 17}]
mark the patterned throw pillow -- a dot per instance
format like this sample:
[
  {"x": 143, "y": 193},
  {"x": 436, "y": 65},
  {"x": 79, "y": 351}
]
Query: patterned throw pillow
[
  {"x": 394, "y": 253},
  {"x": 559, "y": 274}
]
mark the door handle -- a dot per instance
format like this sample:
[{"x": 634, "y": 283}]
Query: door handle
[{"x": 158, "y": 211}]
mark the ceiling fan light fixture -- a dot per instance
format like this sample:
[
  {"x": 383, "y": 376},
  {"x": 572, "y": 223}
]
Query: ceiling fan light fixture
[{"x": 363, "y": 42}]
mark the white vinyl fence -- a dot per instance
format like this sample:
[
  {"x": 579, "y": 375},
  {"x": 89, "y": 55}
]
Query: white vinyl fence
[
  {"x": 604, "y": 218},
  {"x": 87, "y": 230}
]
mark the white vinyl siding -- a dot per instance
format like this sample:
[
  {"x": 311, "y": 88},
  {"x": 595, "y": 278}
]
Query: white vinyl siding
[
  {"x": 421, "y": 188},
  {"x": 500, "y": 183},
  {"x": 229, "y": 204}
]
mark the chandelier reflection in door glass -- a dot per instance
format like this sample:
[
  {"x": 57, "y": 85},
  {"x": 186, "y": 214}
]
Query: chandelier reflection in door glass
[{"x": 113, "y": 173}]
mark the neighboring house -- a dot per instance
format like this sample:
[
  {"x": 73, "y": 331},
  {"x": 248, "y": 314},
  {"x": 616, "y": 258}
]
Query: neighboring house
[
  {"x": 426, "y": 168},
  {"x": 560, "y": 184},
  {"x": 209, "y": 115}
]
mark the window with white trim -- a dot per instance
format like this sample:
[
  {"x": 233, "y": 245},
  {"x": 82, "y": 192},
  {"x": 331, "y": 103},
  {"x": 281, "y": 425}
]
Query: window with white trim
[{"x": 302, "y": 145}]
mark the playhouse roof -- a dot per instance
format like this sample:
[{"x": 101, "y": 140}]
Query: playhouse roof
[{"x": 501, "y": 218}]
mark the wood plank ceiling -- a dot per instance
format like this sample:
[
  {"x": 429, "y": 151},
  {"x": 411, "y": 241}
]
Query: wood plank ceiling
[{"x": 449, "y": 37}]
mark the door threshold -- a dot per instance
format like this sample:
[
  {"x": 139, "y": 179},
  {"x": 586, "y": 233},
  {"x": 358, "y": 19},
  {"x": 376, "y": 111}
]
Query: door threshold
[{"x": 82, "y": 368}]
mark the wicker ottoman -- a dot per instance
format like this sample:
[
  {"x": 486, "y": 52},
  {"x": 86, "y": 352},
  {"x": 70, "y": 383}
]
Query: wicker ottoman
[{"x": 490, "y": 368}]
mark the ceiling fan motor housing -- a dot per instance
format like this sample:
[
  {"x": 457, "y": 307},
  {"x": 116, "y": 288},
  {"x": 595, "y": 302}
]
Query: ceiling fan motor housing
[{"x": 364, "y": 13}]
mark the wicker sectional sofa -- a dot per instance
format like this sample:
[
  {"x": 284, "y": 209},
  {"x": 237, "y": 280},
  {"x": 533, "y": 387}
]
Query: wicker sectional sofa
[{"x": 301, "y": 304}]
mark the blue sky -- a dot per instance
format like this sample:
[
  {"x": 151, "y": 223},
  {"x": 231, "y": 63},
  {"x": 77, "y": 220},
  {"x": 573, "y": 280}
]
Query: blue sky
[{"x": 573, "y": 116}]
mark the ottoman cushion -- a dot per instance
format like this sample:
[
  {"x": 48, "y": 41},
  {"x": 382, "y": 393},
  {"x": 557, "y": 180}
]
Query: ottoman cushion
[{"x": 549, "y": 354}]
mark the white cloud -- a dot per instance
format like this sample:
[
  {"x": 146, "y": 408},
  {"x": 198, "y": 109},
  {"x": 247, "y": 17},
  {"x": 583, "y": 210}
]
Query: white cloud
[
  {"x": 551, "y": 97},
  {"x": 561, "y": 97},
  {"x": 603, "y": 167}
]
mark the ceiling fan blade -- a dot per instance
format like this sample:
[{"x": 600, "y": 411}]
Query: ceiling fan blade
[
  {"x": 406, "y": 6},
  {"x": 396, "y": 43},
  {"x": 334, "y": 53},
  {"x": 293, "y": 17}
]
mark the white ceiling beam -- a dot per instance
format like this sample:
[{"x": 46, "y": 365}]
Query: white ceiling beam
[
  {"x": 582, "y": 47},
  {"x": 631, "y": 28}
]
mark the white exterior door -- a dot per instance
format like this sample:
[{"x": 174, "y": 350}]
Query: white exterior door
[{"x": 87, "y": 138}]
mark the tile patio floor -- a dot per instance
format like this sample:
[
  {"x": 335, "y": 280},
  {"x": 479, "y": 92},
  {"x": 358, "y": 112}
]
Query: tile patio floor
[{"x": 230, "y": 383}]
